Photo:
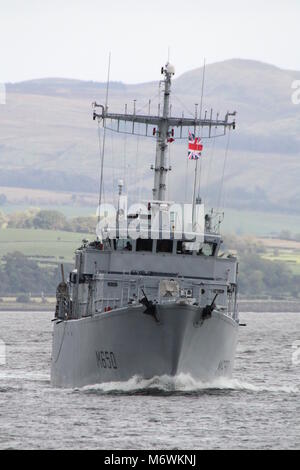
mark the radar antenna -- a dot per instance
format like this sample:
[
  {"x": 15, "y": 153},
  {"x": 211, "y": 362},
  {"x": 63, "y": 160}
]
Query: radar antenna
[{"x": 163, "y": 129}]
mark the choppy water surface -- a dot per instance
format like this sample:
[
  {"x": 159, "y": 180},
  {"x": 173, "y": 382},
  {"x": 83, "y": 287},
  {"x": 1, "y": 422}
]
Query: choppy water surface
[{"x": 258, "y": 408}]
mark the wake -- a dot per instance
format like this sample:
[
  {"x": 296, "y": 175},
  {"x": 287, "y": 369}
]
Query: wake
[{"x": 181, "y": 384}]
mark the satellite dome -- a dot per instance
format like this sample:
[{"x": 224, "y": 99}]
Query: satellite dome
[{"x": 170, "y": 69}]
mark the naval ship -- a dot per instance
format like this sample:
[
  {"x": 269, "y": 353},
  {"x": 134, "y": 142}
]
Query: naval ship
[{"x": 162, "y": 301}]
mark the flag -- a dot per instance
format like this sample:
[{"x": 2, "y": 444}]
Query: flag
[{"x": 195, "y": 147}]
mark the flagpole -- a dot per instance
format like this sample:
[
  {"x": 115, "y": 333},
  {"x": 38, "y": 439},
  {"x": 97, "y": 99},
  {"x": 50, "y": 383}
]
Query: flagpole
[
  {"x": 201, "y": 108},
  {"x": 194, "y": 194},
  {"x": 196, "y": 168}
]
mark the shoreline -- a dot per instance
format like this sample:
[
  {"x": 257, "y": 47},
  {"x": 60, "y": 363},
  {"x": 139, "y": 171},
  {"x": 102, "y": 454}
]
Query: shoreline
[
  {"x": 270, "y": 306},
  {"x": 26, "y": 307},
  {"x": 255, "y": 306}
]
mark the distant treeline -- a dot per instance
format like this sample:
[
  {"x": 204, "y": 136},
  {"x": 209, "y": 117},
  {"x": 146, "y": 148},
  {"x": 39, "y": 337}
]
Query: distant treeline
[
  {"x": 55, "y": 220},
  {"x": 48, "y": 220},
  {"x": 257, "y": 277},
  {"x": 19, "y": 274}
]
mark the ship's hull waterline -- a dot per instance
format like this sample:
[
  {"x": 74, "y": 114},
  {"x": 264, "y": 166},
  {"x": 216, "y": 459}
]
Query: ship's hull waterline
[{"x": 117, "y": 345}]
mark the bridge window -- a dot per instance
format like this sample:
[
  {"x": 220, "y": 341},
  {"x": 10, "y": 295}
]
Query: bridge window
[
  {"x": 144, "y": 244},
  {"x": 164, "y": 246},
  {"x": 207, "y": 249},
  {"x": 181, "y": 248},
  {"x": 123, "y": 244}
]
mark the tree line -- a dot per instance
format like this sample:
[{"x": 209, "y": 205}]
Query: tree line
[
  {"x": 48, "y": 220},
  {"x": 257, "y": 277},
  {"x": 19, "y": 274}
]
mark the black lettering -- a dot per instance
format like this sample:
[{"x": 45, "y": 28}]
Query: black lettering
[
  {"x": 103, "y": 360},
  {"x": 98, "y": 358},
  {"x": 107, "y": 357},
  {"x": 106, "y": 360},
  {"x": 113, "y": 360}
]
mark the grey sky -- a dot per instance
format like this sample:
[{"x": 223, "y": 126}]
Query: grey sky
[{"x": 72, "y": 38}]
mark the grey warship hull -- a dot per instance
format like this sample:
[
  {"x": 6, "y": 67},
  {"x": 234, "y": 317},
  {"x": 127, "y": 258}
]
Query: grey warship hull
[
  {"x": 115, "y": 346},
  {"x": 153, "y": 295}
]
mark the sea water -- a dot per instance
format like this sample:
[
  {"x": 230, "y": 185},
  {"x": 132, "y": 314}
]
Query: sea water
[{"x": 258, "y": 408}]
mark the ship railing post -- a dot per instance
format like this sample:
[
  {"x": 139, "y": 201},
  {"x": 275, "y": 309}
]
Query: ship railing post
[
  {"x": 138, "y": 289},
  {"x": 159, "y": 297},
  {"x": 128, "y": 292},
  {"x": 235, "y": 307},
  {"x": 102, "y": 297},
  {"x": 229, "y": 303},
  {"x": 200, "y": 294}
]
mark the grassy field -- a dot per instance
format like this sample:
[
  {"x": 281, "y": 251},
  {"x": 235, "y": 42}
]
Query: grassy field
[
  {"x": 292, "y": 259},
  {"x": 68, "y": 210},
  {"x": 46, "y": 245},
  {"x": 239, "y": 222},
  {"x": 51, "y": 247},
  {"x": 286, "y": 251},
  {"x": 259, "y": 224},
  {"x": 39, "y": 197}
]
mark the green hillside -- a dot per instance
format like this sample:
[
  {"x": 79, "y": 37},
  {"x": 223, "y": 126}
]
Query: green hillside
[
  {"x": 49, "y": 141},
  {"x": 43, "y": 245}
]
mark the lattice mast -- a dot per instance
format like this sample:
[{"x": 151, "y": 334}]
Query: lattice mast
[{"x": 163, "y": 130}]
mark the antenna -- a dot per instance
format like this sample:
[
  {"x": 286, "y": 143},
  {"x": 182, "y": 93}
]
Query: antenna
[
  {"x": 104, "y": 135},
  {"x": 200, "y": 129},
  {"x": 199, "y": 134},
  {"x": 202, "y": 90},
  {"x": 158, "y": 126}
]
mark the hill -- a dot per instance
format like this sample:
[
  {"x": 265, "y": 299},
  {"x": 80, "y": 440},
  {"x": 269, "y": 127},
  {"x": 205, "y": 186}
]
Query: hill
[{"x": 49, "y": 141}]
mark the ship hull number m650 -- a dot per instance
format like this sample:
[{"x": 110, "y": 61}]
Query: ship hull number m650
[{"x": 106, "y": 360}]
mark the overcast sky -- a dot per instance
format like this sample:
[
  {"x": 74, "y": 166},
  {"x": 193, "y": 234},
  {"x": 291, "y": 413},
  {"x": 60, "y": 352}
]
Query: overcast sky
[{"x": 72, "y": 38}]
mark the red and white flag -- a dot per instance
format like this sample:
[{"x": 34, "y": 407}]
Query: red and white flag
[{"x": 195, "y": 147}]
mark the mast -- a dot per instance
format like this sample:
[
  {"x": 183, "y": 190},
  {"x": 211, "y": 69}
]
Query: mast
[
  {"x": 160, "y": 169},
  {"x": 194, "y": 194},
  {"x": 196, "y": 168},
  {"x": 163, "y": 129}
]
